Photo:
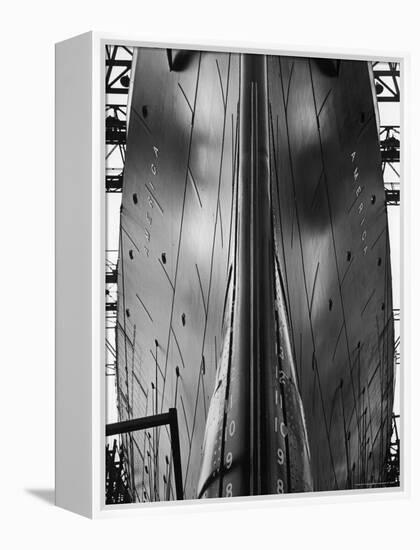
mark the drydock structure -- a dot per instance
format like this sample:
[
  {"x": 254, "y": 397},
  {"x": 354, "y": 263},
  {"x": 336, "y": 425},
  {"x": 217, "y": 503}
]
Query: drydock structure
[{"x": 254, "y": 320}]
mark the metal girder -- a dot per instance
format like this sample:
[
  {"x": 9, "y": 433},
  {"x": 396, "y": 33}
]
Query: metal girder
[
  {"x": 111, "y": 277},
  {"x": 386, "y": 73},
  {"x": 117, "y": 490},
  {"x": 392, "y": 464},
  {"x": 387, "y": 81},
  {"x": 117, "y": 77},
  {"x": 113, "y": 184},
  {"x": 155, "y": 421},
  {"x": 389, "y": 139},
  {"x": 115, "y": 131},
  {"x": 392, "y": 197},
  {"x": 115, "y": 139}
]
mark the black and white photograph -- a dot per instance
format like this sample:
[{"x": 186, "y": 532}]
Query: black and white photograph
[
  {"x": 252, "y": 274},
  {"x": 210, "y": 237}
]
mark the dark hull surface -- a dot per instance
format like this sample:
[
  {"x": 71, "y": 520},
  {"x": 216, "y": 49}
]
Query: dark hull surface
[{"x": 254, "y": 276}]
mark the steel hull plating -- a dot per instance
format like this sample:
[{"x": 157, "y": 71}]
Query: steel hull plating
[{"x": 254, "y": 277}]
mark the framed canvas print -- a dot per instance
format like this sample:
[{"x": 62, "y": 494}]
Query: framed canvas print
[{"x": 228, "y": 274}]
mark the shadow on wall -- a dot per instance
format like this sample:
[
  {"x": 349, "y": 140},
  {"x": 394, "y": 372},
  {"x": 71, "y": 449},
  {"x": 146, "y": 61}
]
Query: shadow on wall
[{"x": 47, "y": 495}]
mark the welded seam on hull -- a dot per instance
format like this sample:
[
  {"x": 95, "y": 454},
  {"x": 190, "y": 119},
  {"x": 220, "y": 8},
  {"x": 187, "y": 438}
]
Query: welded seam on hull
[
  {"x": 232, "y": 280},
  {"x": 166, "y": 273},
  {"x": 179, "y": 238},
  {"x": 129, "y": 236},
  {"x": 288, "y": 84},
  {"x": 212, "y": 257},
  {"x": 346, "y": 271},
  {"x": 306, "y": 285},
  {"x": 234, "y": 152},
  {"x": 124, "y": 310},
  {"x": 144, "y": 307},
  {"x": 154, "y": 198},
  {"x": 348, "y": 483},
  {"x": 186, "y": 98},
  {"x": 178, "y": 347},
  {"x": 195, "y": 187},
  {"x": 142, "y": 121},
  {"x": 224, "y": 100},
  {"x": 221, "y": 224},
  {"x": 201, "y": 290},
  {"x": 367, "y": 302},
  {"x": 335, "y": 253},
  {"x": 337, "y": 340},
  {"x": 156, "y": 363},
  {"x": 280, "y": 222},
  {"x": 313, "y": 289},
  {"x": 375, "y": 242},
  {"x": 324, "y": 102}
]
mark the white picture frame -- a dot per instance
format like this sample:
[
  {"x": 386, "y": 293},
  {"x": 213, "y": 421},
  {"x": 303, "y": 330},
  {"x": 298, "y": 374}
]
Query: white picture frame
[{"x": 80, "y": 282}]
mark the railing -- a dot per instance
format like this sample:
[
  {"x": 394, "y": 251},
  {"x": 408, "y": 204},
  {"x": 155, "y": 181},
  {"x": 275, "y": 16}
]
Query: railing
[{"x": 155, "y": 421}]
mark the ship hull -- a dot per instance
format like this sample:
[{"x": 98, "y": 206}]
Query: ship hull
[{"x": 254, "y": 285}]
